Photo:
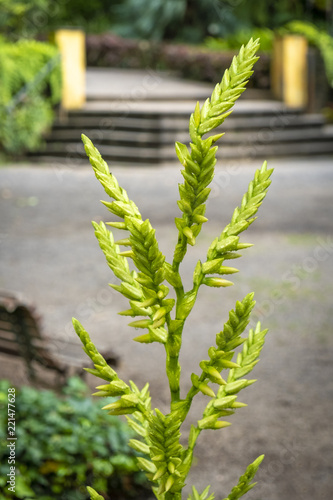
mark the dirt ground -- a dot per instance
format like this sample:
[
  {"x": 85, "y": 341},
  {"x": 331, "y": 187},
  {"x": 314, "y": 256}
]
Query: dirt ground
[{"x": 49, "y": 255}]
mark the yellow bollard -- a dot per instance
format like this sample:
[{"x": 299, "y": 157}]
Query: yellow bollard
[
  {"x": 71, "y": 43},
  {"x": 289, "y": 72},
  {"x": 295, "y": 88}
]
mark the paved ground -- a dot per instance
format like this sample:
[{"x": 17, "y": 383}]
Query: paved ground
[
  {"x": 49, "y": 254},
  {"x": 137, "y": 90}
]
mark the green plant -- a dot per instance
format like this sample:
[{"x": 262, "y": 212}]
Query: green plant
[
  {"x": 23, "y": 19},
  {"x": 232, "y": 42},
  {"x": 166, "y": 461},
  {"x": 59, "y": 447},
  {"x": 189, "y": 61},
  {"x": 28, "y": 93},
  {"x": 193, "y": 20}
]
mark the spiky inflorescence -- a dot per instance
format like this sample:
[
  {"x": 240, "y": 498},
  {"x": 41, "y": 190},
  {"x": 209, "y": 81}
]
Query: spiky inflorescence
[
  {"x": 244, "y": 484},
  {"x": 144, "y": 289},
  {"x": 165, "y": 461},
  {"x": 225, "y": 402},
  {"x": 199, "y": 163}
]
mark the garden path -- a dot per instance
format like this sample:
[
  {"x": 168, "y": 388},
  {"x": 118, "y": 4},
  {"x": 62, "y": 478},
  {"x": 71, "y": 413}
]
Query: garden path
[{"x": 49, "y": 254}]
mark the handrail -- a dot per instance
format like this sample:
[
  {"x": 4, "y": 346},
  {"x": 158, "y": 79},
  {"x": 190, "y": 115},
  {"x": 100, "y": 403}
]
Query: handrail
[{"x": 20, "y": 95}]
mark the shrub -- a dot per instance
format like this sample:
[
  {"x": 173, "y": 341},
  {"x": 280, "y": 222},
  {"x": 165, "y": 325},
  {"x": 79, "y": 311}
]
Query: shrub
[
  {"x": 23, "y": 118},
  {"x": 64, "y": 442},
  {"x": 192, "y": 62}
]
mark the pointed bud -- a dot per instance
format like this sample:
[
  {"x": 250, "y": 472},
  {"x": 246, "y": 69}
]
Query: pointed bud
[
  {"x": 171, "y": 467},
  {"x": 234, "y": 387},
  {"x": 139, "y": 446},
  {"x": 160, "y": 472},
  {"x": 148, "y": 302},
  {"x": 207, "y": 422},
  {"x": 127, "y": 253},
  {"x": 238, "y": 404},
  {"x": 205, "y": 389},
  {"x": 158, "y": 458},
  {"x": 228, "y": 364},
  {"x": 182, "y": 152},
  {"x": 226, "y": 244},
  {"x": 129, "y": 400},
  {"x": 112, "y": 406},
  {"x": 169, "y": 483},
  {"x": 220, "y": 424},
  {"x": 227, "y": 270},
  {"x": 117, "y": 225},
  {"x": 212, "y": 372},
  {"x": 158, "y": 334},
  {"x": 146, "y": 465},
  {"x": 127, "y": 312},
  {"x": 141, "y": 323},
  {"x": 211, "y": 266},
  {"x": 199, "y": 219},
  {"x": 216, "y": 282},
  {"x": 125, "y": 242},
  {"x": 123, "y": 411},
  {"x": 225, "y": 402},
  {"x": 241, "y": 246},
  {"x": 158, "y": 323},
  {"x": 216, "y": 137},
  {"x": 189, "y": 235},
  {"x": 160, "y": 313},
  {"x": 144, "y": 339}
]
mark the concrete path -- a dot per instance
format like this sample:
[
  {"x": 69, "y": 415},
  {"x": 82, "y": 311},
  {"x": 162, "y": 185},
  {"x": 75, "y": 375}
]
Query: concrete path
[
  {"x": 50, "y": 256},
  {"x": 114, "y": 88},
  {"x": 115, "y": 83}
]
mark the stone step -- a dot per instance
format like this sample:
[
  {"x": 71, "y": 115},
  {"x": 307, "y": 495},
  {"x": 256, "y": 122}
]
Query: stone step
[
  {"x": 164, "y": 124},
  {"x": 144, "y": 132},
  {"x": 157, "y": 155},
  {"x": 155, "y": 138}
]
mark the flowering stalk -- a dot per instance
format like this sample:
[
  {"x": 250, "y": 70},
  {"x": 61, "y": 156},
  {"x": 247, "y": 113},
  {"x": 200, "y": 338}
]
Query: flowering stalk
[{"x": 143, "y": 272}]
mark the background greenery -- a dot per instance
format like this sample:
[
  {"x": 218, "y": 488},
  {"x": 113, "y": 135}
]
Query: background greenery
[
  {"x": 192, "y": 37},
  {"x": 22, "y": 121},
  {"x": 182, "y": 20},
  {"x": 64, "y": 443}
]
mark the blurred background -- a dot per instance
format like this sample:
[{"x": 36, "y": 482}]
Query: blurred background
[{"x": 128, "y": 74}]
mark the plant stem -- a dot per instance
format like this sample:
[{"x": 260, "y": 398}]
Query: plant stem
[
  {"x": 173, "y": 496},
  {"x": 173, "y": 368}
]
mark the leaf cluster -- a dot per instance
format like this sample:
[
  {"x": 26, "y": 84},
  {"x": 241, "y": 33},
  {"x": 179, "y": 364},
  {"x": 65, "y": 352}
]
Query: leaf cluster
[
  {"x": 22, "y": 123},
  {"x": 64, "y": 441}
]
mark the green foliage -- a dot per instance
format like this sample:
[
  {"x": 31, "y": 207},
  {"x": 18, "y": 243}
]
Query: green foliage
[
  {"x": 63, "y": 442},
  {"x": 29, "y": 18},
  {"x": 233, "y": 41},
  {"x": 24, "y": 19},
  {"x": 193, "y": 20},
  {"x": 166, "y": 462},
  {"x": 23, "y": 69},
  {"x": 93, "y": 16},
  {"x": 194, "y": 62},
  {"x": 317, "y": 37}
]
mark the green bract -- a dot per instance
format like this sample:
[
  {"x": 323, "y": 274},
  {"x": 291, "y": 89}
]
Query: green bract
[{"x": 166, "y": 462}]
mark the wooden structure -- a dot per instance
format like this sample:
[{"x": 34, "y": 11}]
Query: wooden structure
[{"x": 21, "y": 336}]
